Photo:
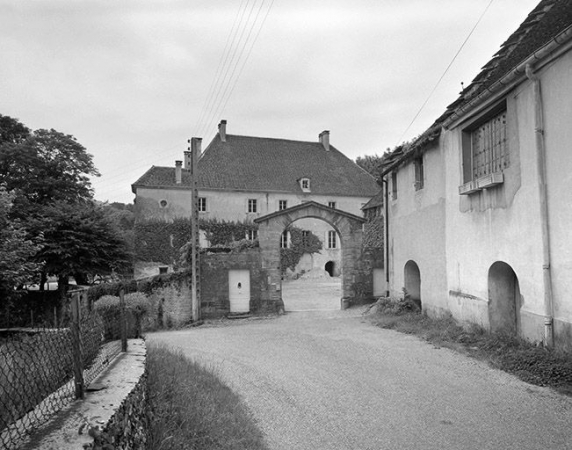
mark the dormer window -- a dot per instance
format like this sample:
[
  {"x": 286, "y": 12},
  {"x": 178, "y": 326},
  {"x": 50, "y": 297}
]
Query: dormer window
[{"x": 305, "y": 184}]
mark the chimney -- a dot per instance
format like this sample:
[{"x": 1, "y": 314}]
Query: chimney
[
  {"x": 222, "y": 130},
  {"x": 325, "y": 139},
  {"x": 178, "y": 175},
  {"x": 188, "y": 159}
]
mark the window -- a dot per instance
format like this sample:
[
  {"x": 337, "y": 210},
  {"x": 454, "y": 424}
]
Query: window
[
  {"x": 252, "y": 205},
  {"x": 305, "y": 235},
  {"x": 282, "y": 204},
  {"x": 305, "y": 184},
  {"x": 394, "y": 185},
  {"x": 332, "y": 239},
  {"x": 251, "y": 235},
  {"x": 418, "y": 163},
  {"x": 284, "y": 240},
  {"x": 202, "y": 204},
  {"x": 332, "y": 205}
]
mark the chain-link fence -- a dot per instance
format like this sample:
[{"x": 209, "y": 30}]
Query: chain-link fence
[{"x": 43, "y": 369}]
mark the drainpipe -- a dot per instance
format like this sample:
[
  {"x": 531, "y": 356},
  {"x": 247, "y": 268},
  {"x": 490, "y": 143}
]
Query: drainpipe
[
  {"x": 541, "y": 170},
  {"x": 386, "y": 230}
]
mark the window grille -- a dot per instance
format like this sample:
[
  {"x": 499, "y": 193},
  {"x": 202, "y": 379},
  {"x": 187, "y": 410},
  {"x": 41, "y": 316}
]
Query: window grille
[{"x": 489, "y": 147}]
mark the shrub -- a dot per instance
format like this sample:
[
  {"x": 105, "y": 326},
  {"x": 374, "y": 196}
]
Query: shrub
[{"x": 137, "y": 305}]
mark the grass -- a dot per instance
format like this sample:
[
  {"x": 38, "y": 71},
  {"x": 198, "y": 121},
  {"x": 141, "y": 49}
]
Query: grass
[
  {"x": 529, "y": 362},
  {"x": 191, "y": 408}
]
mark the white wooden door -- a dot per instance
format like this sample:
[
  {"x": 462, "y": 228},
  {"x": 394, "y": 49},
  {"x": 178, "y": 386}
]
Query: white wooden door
[
  {"x": 378, "y": 282},
  {"x": 239, "y": 290}
]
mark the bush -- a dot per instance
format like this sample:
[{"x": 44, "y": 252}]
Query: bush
[{"x": 137, "y": 305}]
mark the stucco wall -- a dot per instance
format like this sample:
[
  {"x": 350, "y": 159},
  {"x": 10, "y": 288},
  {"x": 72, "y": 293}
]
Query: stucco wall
[
  {"x": 231, "y": 205},
  {"x": 417, "y": 231},
  {"x": 455, "y": 239},
  {"x": 503, "y": 223},
  {"x": 557, "y": 93}
]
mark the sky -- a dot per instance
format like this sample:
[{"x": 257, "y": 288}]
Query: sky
[{"x": 133, "y": 80}]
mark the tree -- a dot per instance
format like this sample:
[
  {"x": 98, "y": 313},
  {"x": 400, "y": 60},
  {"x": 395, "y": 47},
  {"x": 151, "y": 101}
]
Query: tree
[
  {"x": 81, "y": 241},
  {"x": 371, "y": 164},
  {"x": 16, "y": 251},
  {"x": 12, "y": 130},
  {"x": 46, "y": 166},
  {"x": 48, "y": 173}
]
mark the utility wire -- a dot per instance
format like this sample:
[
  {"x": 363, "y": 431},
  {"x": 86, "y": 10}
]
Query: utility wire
[
  {"x": 228, "y": 92},
  {"x": 223, "y": 58},
  {"x": 445, "y": 72},
  {"x": 224, "y": 81}
]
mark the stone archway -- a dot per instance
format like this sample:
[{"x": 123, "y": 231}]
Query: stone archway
[{"x": 348, "y": 226}]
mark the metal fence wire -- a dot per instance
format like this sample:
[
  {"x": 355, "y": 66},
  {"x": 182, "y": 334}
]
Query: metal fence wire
[{"x": 44, "y": 369}]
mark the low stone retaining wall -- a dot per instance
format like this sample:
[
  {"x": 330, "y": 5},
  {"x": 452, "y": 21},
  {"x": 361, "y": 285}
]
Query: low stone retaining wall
[{"x": 113, "y": 413}]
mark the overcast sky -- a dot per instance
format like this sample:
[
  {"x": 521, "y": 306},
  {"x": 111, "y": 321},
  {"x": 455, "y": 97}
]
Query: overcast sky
[{"x": 131, "y": 79}]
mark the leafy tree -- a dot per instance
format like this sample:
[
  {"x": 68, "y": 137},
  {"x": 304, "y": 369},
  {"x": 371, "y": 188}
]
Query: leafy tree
[
  {"x": 11, "y": 130},
  {"x": 370, "y": 163},
  {"x": 16, "y": 251},
  {"x": 48, "y": 173},
  {"x": 47, "y": 166},
  {"x": 81, "y": 241}
]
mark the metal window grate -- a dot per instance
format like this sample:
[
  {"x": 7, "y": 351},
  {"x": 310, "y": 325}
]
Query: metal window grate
[{"x": 489, "y": 147}]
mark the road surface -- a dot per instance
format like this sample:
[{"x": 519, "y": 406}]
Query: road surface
[{"x": 328, "y": 380}]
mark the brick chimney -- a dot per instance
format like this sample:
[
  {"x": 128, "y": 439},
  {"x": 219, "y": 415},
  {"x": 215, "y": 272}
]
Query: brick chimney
[
  {"x": 325, "y": 139},
  {"x": 222, "y": 130},
  {"x": 178, "y": 171}
]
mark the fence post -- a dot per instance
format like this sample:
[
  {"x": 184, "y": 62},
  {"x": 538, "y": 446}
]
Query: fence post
[
  {"x": 123, "y": 320},
  {"x": 76, "y": 345}
]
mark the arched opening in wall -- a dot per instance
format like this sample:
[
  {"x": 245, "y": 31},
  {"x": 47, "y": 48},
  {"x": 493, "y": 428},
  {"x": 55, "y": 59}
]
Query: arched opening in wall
[
  {"x": 329, "y": 267},
  {"x": 310, "y": 258},
  {"x": 412, "y": 277},
  {"x": 504, "y": 299}
]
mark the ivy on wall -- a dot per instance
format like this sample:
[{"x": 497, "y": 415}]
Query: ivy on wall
[
  {"x": 301, "y": 241},
  {"x": 373, "y": 235},
  {"x": 161, "y": 241}
]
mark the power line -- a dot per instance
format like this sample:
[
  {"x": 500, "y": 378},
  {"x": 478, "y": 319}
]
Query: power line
[
  {"x": 226, "y": 89},
  {"x": 445, "y": 72},
  {"x": 224, "y": 84},
  {"x": 222, "y": 62}
]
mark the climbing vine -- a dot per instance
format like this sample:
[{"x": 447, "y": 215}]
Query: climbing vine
[
  {"x": 161, "y": 241},
  {"x": 301, "y": 241}
]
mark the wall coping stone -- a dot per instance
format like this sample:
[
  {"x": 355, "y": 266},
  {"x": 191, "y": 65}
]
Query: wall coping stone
[{"x": 69, "y": 429}]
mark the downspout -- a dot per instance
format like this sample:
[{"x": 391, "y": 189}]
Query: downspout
[
  {"x": 542, "y": 191},
  {"x": 386, "y": 230}
]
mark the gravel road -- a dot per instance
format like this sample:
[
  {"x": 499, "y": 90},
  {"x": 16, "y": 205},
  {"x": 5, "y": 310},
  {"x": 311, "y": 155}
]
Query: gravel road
[{"x": 328, "y": 380}]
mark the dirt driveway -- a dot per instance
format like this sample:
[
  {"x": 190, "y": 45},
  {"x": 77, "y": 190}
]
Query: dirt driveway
[{"x": 327, "y": 380}]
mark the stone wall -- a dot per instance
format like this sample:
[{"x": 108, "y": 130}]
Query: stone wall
[
  {"x": 128, "y": 427},
  {"x": 214, "y": 282}
]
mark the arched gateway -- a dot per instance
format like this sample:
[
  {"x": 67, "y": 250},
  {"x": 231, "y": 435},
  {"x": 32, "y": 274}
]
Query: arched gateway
[{"x": 348, "y": 226}]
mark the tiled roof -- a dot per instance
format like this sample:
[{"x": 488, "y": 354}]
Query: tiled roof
[
  {"x": 270, "y": 165},
  {"x": 374, "y": 202},
  {"x": 544, "y": 23}
]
